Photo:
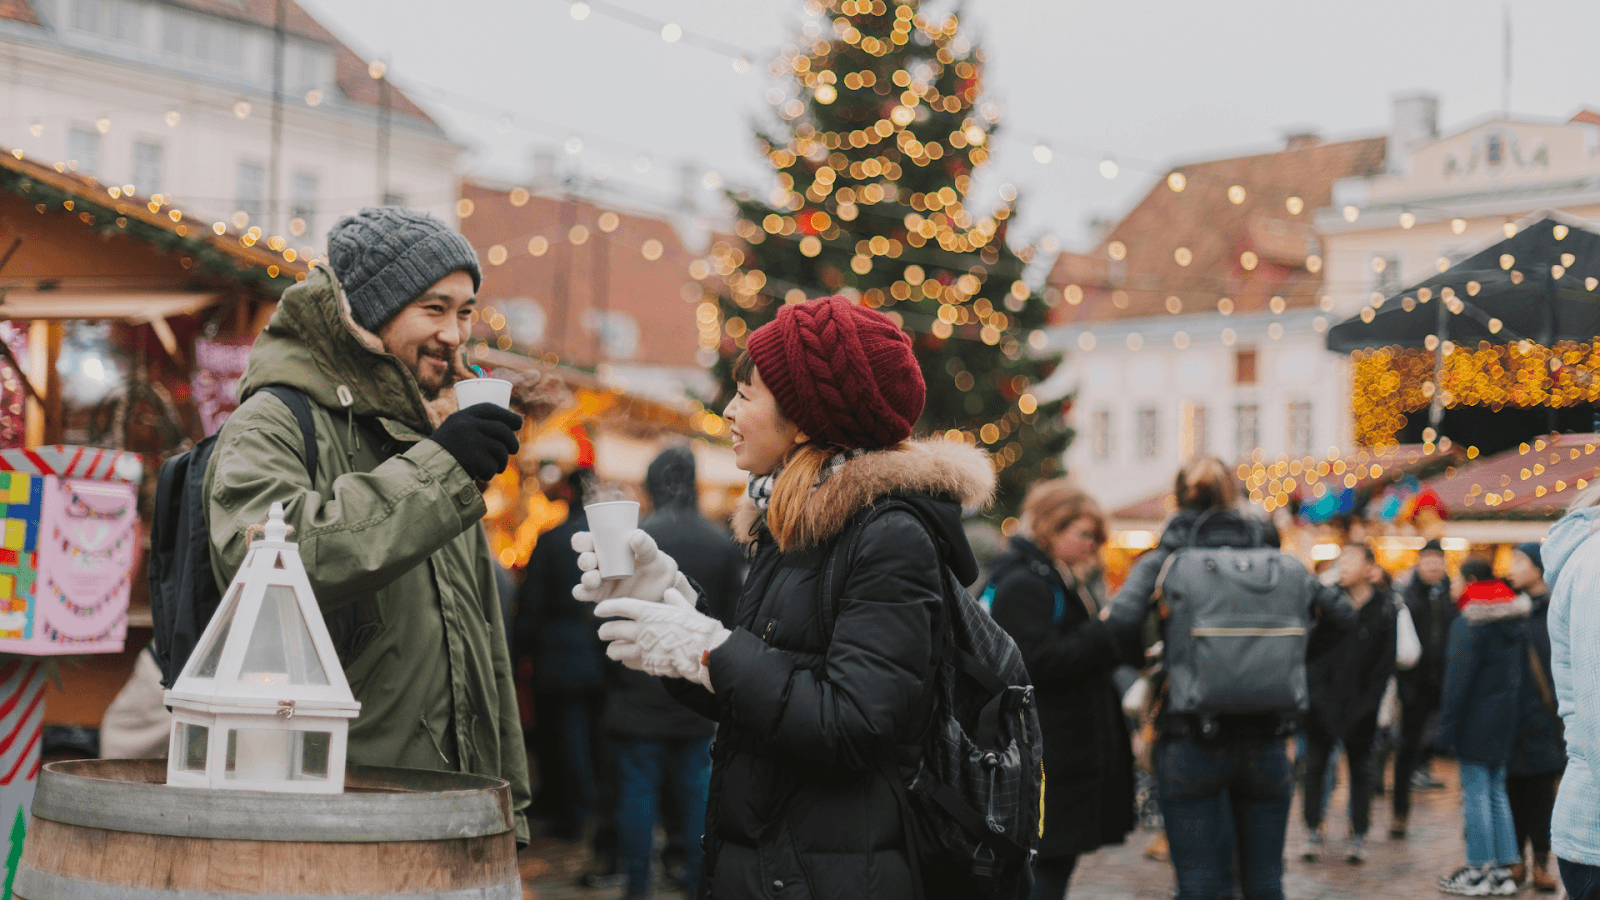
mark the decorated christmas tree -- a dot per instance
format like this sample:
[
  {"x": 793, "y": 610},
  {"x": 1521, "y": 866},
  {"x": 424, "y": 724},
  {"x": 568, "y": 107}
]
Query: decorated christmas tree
[{"x": 883, "y": 127}]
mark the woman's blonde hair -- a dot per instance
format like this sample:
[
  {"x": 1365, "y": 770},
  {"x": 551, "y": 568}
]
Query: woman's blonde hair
[
  {"x": 1051, "y": 505},
  {"x": 1205, "y": 483}
]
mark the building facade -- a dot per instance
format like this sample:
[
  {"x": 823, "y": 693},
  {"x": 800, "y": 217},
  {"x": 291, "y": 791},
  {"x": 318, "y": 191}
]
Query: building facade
[{"x": 175, "y": 98}]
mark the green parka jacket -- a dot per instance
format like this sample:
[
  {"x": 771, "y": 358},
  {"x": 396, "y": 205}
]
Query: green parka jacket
[{"x": 390, "y": 533}]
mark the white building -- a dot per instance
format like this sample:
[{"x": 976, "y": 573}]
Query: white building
[{"x": 175, "y": 97}]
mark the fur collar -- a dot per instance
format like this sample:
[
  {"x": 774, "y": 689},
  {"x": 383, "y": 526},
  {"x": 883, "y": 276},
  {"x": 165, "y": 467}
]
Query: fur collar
[
  {"x": 930, "y": 466},
  {"x": 1481, "y": 613},
  {"x": 440, "y": 407}
]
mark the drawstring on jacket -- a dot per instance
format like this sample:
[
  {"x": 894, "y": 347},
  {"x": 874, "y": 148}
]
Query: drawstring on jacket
[{"x": 353, "y": 439}]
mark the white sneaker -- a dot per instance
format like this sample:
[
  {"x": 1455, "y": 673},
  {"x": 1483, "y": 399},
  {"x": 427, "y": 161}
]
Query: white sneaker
[
  {"x": 1468, "y": 881},
  {"x": 1502, "y": 884}
]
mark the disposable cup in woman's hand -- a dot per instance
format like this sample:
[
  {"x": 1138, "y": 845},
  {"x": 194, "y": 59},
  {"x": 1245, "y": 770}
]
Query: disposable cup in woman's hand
[
  {"x": 612, "y": 524},
  {"x": 653, "y": 571}
]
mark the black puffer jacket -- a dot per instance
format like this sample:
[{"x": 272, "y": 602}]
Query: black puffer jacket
[
  {"x": 1347, "y": 682},
  {"x": 1482, "y": 675},
  {"x": 798, "y": 807},
  {"x": 1070, "y": 654}
]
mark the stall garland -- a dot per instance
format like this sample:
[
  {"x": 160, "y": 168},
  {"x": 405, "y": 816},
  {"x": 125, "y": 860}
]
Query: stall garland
[
  {"x": 1389, "y": 383},
  {"x": 107, "y": 220}
]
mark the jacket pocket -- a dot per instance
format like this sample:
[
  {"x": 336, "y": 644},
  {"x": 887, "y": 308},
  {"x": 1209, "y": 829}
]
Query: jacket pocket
[
  {"x": 783, "y": 872},
  {"x": 352, "y": 628}
]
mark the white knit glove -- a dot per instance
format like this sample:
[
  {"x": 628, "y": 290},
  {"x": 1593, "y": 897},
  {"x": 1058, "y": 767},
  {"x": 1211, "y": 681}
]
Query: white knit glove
[
  {"x": 668, "y": 638},
  {"x": 653, "y": 572}
]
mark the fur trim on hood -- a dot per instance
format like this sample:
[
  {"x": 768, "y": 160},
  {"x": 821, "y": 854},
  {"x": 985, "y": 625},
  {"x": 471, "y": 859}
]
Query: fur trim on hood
[
  {"x": 1480, "y": 613},
  {"x": 930, "y": 466}
]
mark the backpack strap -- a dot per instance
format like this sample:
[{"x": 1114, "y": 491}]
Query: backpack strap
[{"x": 300, "y": 405}]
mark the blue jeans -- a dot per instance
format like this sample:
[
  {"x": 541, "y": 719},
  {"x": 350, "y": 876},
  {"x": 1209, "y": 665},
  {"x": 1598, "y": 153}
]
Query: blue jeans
[
  {"x": 1206, "y": 790},
  {"x": 641, "y": 766},
  {"x": 1491, "y": 835},
  {"x": 1582, "y": 881}
]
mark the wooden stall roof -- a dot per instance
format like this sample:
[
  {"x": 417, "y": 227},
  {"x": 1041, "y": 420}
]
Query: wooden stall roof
[{"x": 1535, "y": 480}]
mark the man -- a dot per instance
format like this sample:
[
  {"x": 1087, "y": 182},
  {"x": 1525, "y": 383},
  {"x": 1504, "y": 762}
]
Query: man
[
  {"x": 389, "y": 524},
  {"x": 662, "y": 745},
  {"x": 1347, "y": 682},
  {"x": 1432, "y": 609},
  {"x": 1539, "y": 754}
]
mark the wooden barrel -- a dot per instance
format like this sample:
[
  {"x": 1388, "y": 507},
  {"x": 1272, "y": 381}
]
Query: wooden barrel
[{"x": 113, "y": 830}]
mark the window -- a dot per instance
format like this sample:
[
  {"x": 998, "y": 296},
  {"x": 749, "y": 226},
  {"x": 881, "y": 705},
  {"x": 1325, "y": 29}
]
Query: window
[
  {"x": 1193, "y": 425},
  {"x": 1100, "y": 435},
  {"x": 83, "y": 147},
  {"x": 173, "y": 32},
  {"x": 251, "y": 191},
  {"x": 1244, "y": 367},
  {"x": 1246, "y": 430},
  {"x": 1300, "y": 428},
  {"x": 148, "y": 159},
  {"x": 88, "y": 15},
  {"x": 127, "y": 23},
  {"x": 303, "y": 204},
  {"x": 1147, "y": 434}
]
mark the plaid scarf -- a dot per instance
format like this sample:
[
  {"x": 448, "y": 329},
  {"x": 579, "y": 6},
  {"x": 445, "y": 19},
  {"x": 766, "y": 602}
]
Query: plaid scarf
[{"x": 760, "y": 487}]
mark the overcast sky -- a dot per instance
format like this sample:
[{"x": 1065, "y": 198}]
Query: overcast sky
[{"x": 1147, "y": 82}]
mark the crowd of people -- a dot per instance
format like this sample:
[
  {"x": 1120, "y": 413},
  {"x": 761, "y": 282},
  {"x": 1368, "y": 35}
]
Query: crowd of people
[{"x": 815, "y": 704}]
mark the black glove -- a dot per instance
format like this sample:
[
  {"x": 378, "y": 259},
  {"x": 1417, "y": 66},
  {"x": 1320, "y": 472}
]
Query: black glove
[{"x": 481, "y": 438}]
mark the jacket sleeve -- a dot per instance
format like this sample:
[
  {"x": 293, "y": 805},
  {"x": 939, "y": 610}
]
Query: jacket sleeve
[
  {"x": 1375, "y": 680},
  {"x": 370, "y": 529},
  {"x": 1131, "y": 606},
  {"x": 1461, "y": 662},
  {"x": 1024, "y": 607},
  {"x": 876, "y": 664},
  {"x": 1574, "y": 663}
]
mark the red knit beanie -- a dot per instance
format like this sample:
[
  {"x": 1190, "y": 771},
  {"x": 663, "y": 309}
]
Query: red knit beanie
[{"x": 844, "y": 373}]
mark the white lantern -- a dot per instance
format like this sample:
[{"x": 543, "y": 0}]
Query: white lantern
[{"x": 262, "y": 704}]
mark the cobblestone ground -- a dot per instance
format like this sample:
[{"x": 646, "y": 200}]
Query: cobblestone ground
[{"x": 1394, "y": 870}]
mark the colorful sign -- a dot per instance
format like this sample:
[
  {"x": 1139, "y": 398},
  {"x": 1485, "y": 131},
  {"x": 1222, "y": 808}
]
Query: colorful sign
[{"x": 219, "y": 366}]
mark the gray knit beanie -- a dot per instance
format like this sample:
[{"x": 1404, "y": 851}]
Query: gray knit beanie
[{"x": 386, "y": 256}]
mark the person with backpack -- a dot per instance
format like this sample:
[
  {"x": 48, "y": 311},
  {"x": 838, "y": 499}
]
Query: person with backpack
[
  {"x": 854, "y": 671},
  {"x": 1043, "y": 593},
  {"x": 1539, "y": 754},
  {"x": 388, "y": 518},
  {"x": 1571, "y": 559},
  {"x": 1347, "y": 684},
  {"x": 1237, "y": 620},
  {"x": 1478, "y": 722}
]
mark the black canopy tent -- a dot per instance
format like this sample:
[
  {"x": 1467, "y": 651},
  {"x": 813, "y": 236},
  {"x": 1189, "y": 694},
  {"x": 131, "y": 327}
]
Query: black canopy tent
[{"x": 1542, "y": 284}]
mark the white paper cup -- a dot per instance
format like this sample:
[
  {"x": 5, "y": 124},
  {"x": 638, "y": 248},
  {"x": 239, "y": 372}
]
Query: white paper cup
[
  {"x": 611, "y": 524},
  {"x": 472, "y": 391}
]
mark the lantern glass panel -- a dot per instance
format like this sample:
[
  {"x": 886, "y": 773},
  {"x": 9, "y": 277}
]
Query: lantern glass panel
[
  {"x": 211, "y": 655},
  {"x": 271, "y": 754},
  {"x": 280, "y": 650},
  {"x": 192, "y": 745}
]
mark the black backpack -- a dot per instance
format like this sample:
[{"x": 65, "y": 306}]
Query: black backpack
[
  {"x": 974, "y": 809},
  {"x": 183, "y": 591}
]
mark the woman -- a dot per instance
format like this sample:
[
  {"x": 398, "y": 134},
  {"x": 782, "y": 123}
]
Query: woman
[
  {"x": 1571, "y": 557},
  {"x": 827, "y": 395},
  {"x": 1046, "y": 597},
  {"x": 1231, "y": 774}
]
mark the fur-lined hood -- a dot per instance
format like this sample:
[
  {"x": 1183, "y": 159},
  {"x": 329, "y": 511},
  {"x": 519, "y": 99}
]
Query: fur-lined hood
[{"x": 930, "y": 467}]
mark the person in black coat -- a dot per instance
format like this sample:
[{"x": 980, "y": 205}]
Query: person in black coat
[
  {"x": 1432, "y": 609},
  {"x": 558, "y": 634},
  {"x": 1041, "y": 594},
  {"x": 808, "y": 768},
  {"x": 1539, "y": 755},
  {"x": 1347, "y": 684},
  {"x": 662, "y": 746}
]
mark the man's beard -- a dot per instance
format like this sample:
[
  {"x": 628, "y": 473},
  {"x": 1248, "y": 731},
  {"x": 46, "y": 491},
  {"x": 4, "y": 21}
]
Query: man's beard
[{"x": 432, "y": 388}]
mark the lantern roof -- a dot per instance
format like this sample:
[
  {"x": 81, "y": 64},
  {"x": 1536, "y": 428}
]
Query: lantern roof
[{"x": 267, "y": 645}]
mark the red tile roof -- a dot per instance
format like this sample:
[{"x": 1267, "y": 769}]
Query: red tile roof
[
  {"x": 651, "y": 291},
  {"x": 1533, "y": 481},
  {"x": 19, "y": 11},
  {"x": 1215, "y": 231}
]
